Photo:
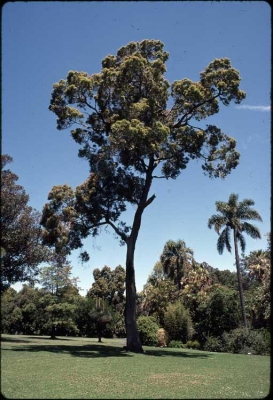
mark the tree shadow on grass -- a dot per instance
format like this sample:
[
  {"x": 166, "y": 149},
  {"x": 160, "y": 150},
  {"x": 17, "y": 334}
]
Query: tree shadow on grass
[
  {"x": 13, "y": 340},
  {"x": 48, "y": 338},
  {"x": 100, "y": 351},
  {"x": 182, "y": 353},
  {"x": 90, "y": 350}
]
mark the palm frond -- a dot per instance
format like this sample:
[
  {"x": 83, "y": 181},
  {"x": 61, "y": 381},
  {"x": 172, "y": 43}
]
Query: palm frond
[
  {"x": 233, "y": 200},
  {"x": 250, "y": 214},
  {"x": 251, "y": 230},
  {"x": 224, "y": 241},
  {"x": 217, "y": 221},
  {"x": 244, "y": 205}
]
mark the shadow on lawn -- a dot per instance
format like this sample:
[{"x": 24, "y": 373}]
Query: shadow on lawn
[{"x": 100, "y": 350}]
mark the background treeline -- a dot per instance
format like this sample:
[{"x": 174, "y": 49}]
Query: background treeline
[{"x": 200, "y": 309}]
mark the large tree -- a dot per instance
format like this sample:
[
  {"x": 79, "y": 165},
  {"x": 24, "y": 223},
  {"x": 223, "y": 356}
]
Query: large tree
[
  {"x": 233, "y": 216},
  {"x": 133, "y": 126},
  {"x": 21, "y": 249}
]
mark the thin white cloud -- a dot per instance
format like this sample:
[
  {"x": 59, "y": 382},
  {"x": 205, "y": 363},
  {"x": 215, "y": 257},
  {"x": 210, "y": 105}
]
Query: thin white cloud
[{"x": 254, "y": 108}]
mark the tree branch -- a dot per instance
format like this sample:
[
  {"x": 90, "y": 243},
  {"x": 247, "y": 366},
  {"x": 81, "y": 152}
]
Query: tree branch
[
  {"x": 150, "y": 200},
  {"x": 159, "y": 177},
  {"x": 194, "y": 108},
  {"x": 123, "y": 236}
]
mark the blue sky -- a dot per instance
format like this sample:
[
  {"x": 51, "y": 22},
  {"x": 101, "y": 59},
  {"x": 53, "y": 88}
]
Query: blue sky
[{"x": 42, "y": 41}]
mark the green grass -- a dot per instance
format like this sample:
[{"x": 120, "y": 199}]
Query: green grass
[{"x": 80, "y": 368}]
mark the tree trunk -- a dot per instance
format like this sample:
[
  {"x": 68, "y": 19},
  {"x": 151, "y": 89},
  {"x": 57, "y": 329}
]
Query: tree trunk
[
  {"x": 239, "y": 276},
  {"x": 133, "y": 341},
  {"x": 99, "y": 329},
  {"x": 53, "y": 332},
  {"x": 178, "y": 273}
]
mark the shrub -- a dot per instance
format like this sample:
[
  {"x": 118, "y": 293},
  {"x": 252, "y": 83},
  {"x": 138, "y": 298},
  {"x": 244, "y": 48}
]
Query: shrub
[
  {"x": 176, "y": 344},
  {"x": 213, "y": 344},
  {"x": 162, "y": 338},
  {"x": 193, "y": 344},
  {"x": 148, "y": 329},
  {"x": 243, "y": 340},
  {"x": 178, "y": 322}
]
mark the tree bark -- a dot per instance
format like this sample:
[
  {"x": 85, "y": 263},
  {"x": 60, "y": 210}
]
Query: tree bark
[
  {"x": 239, "y": 276},
  {"x": 53, "y": 332},
  {"x": 132, "y": 335},
  {"x": 133, "y": 340},
  {"x": 178, "y": 273},
  {"x": 99, "y": 329}
]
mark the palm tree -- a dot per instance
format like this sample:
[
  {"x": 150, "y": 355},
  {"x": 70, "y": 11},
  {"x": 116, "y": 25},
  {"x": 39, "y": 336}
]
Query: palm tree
[
  {"x": 258, "y": 264},
  {"x": 233, "y": 216},
  {"x": 174, "y": 258}
]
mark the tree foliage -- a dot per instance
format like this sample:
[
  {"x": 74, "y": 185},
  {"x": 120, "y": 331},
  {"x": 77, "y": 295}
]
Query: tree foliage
[
  {"x": 21, "y": 249},
  {"x": 109, "y": 285},
  {"x": 56, "y": 277}
]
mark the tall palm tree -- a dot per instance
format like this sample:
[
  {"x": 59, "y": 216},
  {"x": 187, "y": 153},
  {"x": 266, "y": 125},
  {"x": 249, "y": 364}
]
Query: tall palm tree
[
  {"x": 174, "y": 258},
  {"x": 232, "y": 217}
]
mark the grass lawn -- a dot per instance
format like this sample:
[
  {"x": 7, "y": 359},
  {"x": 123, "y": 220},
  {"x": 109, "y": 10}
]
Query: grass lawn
[{"x": 80, "y": 368}]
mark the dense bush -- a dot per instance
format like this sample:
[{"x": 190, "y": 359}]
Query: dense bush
[
  {"x": 176, "y": 344},
  {"x": 193, "y": 344},
  {"x": 178, "y": 322},
  {"x": 147, "y": 328},
  {"x": 219, "y": 313},
  {"x": 213, "y": 344},
  {"x": 243, "y": 340}
]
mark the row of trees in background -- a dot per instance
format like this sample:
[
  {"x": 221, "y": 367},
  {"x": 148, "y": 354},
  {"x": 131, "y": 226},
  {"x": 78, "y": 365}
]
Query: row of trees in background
[{"x": 201, "y": 312}]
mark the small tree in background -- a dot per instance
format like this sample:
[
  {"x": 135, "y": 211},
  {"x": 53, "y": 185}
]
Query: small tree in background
[
  {"x": 178, "y": 322},
  {"x": 176, "y": 258},
  {"x": 101, "y": 315}
]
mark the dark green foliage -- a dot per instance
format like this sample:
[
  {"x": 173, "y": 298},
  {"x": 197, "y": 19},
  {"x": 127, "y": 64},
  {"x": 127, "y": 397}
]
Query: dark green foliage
[
  {"x": 213, "y": 344},
  {"x": 178, "y": 323},
  {"x": 218, "y": 312},
  {"x": 176, "y": 258},
  {"x": 245, "y": 341},
  {"x": 148, "y": 329},
  {"x": 110, "y": 285},
  {"x": 176, "y": 344},
  {"x": 21, "y": 249}
]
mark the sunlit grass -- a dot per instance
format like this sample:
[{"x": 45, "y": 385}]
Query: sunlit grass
[{"x": 75, "y": 368}]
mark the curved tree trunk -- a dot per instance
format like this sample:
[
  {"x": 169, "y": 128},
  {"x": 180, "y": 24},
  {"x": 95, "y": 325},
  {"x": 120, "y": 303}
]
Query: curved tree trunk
[{"x": 239, "y": 276}]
